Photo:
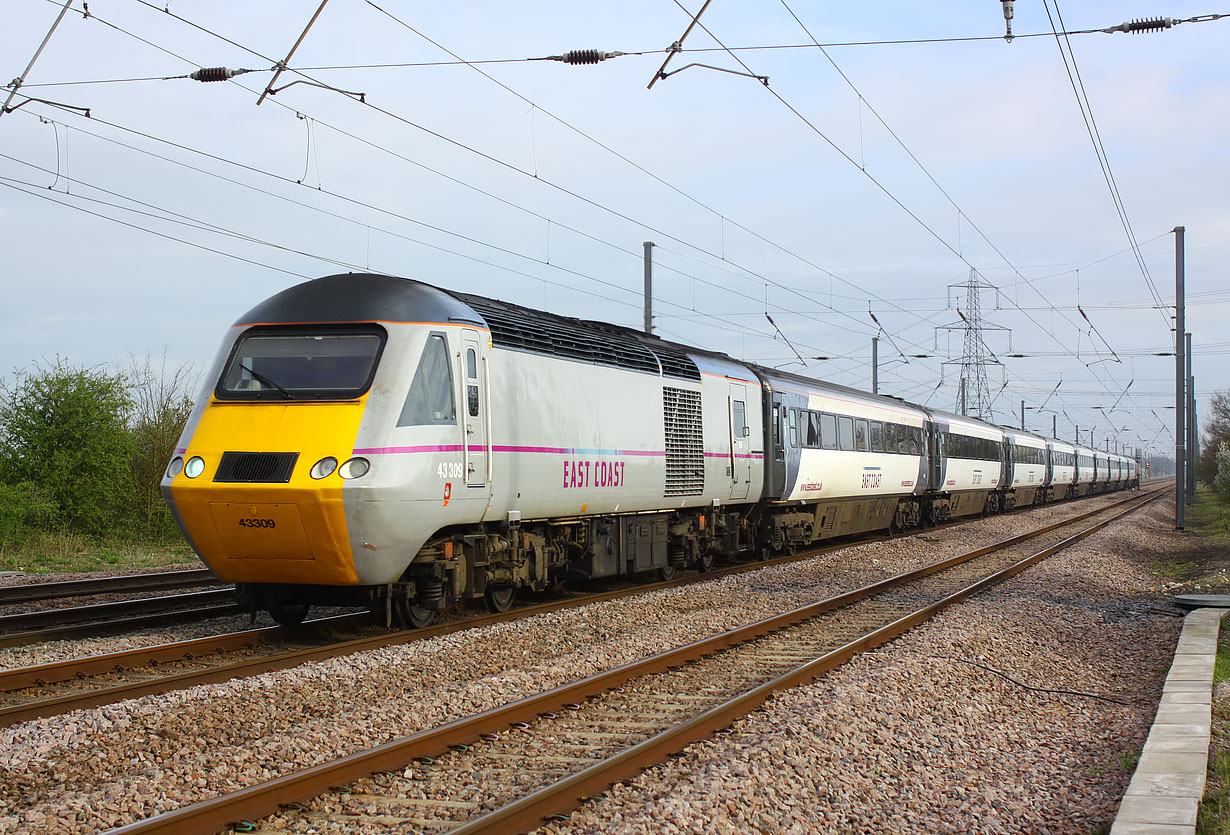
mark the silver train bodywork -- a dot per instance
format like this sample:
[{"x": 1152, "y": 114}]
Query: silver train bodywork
[{"x": 500, "y": 448}]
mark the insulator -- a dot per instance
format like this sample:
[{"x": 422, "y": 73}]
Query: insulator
[
  {"x": 212, "y": 74},
  {"x": 583, "y": 56},
  {"x": 1154, "y": 25}
]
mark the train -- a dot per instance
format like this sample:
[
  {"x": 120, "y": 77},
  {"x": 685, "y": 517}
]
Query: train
[{"x": 370, "y": 440}]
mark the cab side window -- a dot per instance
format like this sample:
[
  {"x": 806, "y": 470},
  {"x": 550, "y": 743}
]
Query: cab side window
[{"x": 430, "y": 401}]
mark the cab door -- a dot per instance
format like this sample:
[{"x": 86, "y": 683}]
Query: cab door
[
  {"x": 777, "y": 440},
  {"x": 475, "y": 388},
  {"x": 937, "y": 454},
  {"x": 740, "y": 443}
]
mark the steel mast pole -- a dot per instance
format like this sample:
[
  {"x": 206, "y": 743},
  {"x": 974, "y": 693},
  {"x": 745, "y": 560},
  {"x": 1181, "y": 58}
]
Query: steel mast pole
[
  {"x": 648, "y": 286},
  {"x": 1180, "y": 394},
  {"x": 875, "y": 365},
  {"x": 1193, "y": 442}
]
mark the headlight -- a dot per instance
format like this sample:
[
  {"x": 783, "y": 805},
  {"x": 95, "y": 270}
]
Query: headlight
[
  {"x": 324, "y": 467},
  {"x": 354, "y": 468},
  {"x": 194, "y": 467},
  {"x": 177, "y": 466}
]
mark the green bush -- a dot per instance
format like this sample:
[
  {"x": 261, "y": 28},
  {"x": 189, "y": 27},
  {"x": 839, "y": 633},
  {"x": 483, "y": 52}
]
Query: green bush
[
  {"x": 161, "y": 407},
  {"x": 22, "y": 507},
  {"x": 65, "y": 431},
  {"x": 1221, "y": 484}
]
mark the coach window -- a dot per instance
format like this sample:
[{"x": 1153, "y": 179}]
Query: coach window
[
  {"x": 912, "y": 438},
  {"x": 431, "y": 399},
  {"x": 813, "y": 430},
  {"x": 794, "y": 427},
  {"x": 877, "y": 436},
  {"x": 860, "y": 435},
  {"x": 845, "y": 432},
  {"x": 828, "y": 431}
]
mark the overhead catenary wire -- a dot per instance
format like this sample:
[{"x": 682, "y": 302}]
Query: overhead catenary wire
[
  {"x": 503, "y": 163},
  {"x": 930, "y": 177},
  {"x": 462, "y": 145},
  {"x": 159, "y": 9},
  {"x": 874, "y": 180},
  {"x": 396, "y": 154},
  {"x": 754, "y": 274},
  {"x": 235, "y": 43},
  {"x": 1095, "y": 136},
  {"x": 396, "y": 65}
]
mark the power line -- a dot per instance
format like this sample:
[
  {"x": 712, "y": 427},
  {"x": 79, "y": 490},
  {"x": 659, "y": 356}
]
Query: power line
[
  {"x": 496, "y": 161},
  {"x": 638, "y": 52},
  {"x": 1095, "y": 136},
  {"x": 550, "y": 221},
  {"x": 861, "y": 168},
  {"x": 424, "y": 167},
  {"x": 923, "y": 168}
]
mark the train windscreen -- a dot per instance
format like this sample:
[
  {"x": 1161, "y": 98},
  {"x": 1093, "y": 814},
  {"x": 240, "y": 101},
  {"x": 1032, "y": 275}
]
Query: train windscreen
[{"x": 302, "y": 364}]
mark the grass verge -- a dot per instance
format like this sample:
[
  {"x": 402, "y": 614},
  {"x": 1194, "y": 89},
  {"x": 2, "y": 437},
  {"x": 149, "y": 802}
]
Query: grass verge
[
  {"x": 1209, "y": 518},
  {"x": 1214, "y": 815},
  {"x": 49, "y": 553}
]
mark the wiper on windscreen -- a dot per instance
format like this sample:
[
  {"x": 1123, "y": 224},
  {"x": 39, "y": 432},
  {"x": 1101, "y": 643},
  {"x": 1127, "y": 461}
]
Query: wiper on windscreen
[{"x": 262, "y": 378}]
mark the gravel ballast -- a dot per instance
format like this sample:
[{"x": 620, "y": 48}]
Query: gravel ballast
[{"x": 905, "y": 739}]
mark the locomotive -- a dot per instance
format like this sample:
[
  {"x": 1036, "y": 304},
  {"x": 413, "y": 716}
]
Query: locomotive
[{"x": 376, "y": 441}]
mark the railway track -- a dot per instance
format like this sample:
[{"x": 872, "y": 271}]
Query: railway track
[
  {"x": 21, "y": 628},
  {"x": 507, "y": 769},
  {"x": 71, "y": 622},
  {"x": 154, "y": 581},
  {"x": 50, "y": 689}
]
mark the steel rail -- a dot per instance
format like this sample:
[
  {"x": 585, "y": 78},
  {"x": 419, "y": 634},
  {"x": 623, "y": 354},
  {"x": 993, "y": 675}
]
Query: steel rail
[
  {"x": 254, "y": 802},
  {"x": 85, "y": 630},
  {"x": 118, "y": 608},
  {"x": 565, "y": 795},
  {"x": 127, "y": 660},
  {"x": 190, "y": 651},
  {"x": 154, "y": 581}
]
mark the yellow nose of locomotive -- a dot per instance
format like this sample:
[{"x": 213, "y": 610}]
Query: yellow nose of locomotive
[{"x": 262, "y": 508}]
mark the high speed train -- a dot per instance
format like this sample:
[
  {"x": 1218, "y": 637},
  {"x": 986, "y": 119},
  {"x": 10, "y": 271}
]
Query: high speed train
[{"x": 371, "y": 440}]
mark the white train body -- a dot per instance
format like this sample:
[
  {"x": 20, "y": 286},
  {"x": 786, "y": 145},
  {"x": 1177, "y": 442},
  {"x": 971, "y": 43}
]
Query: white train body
[{"x": 371, "y": 439}]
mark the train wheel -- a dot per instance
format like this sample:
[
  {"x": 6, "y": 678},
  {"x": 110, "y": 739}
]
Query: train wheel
[
  {"x": 407, "y": 614},
  {"x": 666, "y": 572},
  {"x": 499, "y": 598},
  {"x": 704, "y": 562},
  {"x": 288, "y": 614}
]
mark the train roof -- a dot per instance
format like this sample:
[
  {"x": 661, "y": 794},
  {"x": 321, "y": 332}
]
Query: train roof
[
  {"x": 374, "y": 297},
  {"x": 359, "y": 297}
]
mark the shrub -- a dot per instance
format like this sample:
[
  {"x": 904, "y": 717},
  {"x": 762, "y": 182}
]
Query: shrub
[
  {"x": 1221, "y": 484},
  {"x": 65, "y": 431},
  {"x": 161, "y": 406},
  {"x": 22, "y": 507}
]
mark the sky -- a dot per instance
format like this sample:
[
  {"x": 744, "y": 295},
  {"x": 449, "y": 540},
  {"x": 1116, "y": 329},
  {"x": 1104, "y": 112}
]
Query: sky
[{"x": 802, "y": 199}]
